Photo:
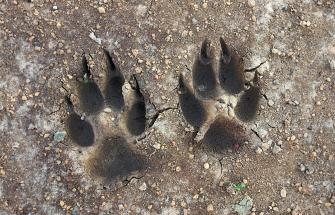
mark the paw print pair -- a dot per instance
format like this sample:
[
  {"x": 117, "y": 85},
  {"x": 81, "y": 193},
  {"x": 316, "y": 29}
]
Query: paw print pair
[{"x": 225, "y": 132}]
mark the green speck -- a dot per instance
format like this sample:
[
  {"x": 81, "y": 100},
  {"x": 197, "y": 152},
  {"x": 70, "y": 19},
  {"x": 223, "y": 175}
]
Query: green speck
[{"x": 240, "y": 186}]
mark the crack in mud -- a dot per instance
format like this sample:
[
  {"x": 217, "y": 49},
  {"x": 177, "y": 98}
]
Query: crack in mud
[
  {"x": 255, "y": 68},
  {"x": 256, "y": 133},
  {"x": 157, "y": 114},
  {"x": 127, "y": 181}
]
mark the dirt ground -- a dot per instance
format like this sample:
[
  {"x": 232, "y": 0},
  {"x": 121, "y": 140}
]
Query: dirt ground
[{"x": 287, "y": 166}]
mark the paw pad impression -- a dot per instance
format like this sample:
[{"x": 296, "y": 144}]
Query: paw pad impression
[
  {"x": 112, "y": 157},
  {"x": 224, "y": 132}
]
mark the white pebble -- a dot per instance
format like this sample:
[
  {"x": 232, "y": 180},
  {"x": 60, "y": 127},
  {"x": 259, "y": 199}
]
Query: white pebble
[
  {"x": 101, "y": 10},
  {"x": 107, "y": 110},
  {"x": 157, "y": 146},
  {"x": 283, "y": 193},
  {"x": 206, "y": 165}
]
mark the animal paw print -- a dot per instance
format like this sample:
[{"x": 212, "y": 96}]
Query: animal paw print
[
  {"x": 109, "y": 157},
  {"x": 224, "y": 131}
]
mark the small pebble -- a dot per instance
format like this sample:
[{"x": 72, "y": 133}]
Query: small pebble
[
  {"x": 328, "y": 204},
  {"x": 101, "y": 10},
  {"x": 270, "y": 103},
  {"x": 107, "y": 110},
  {"x": 332, "y": 66},
  {"x": 157, "y": 146},
  {"x": 121, "y": 207},
  {"x": 283, "y": 193},
  {"x": 210, "y": 208},
  {"x": 178, "y": 168},
  {"x": 302, "y": 168},
  {"x": 206, "y": 165}
]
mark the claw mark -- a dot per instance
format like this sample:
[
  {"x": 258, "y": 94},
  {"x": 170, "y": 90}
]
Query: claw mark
[
  {"x": 204, "y": 80},
  {"x": 86, "y": 70},
  {"x": 114, "y": 83},
  {"x": 231, "y": 72},
  {"x": 191, "y": 107}
]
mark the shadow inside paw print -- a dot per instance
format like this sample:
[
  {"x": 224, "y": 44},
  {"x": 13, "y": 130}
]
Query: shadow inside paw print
[
  {"x": 204, "y": 78},
  {"x": 112, "y": 157},
  {"x": 225, "y": 132},
  {"x": 192, "y": 108},
  {"x": 113, "y": 87},
  {"x": 79, "y": 130},
  {"x": 247, "y": 106},
  {"x": 91, "y": 99},
  {"x": 136, "y": 120}
]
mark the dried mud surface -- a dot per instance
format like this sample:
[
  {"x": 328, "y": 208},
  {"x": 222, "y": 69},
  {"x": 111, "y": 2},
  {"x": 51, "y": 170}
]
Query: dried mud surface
[{"x": 288, "y": 165}]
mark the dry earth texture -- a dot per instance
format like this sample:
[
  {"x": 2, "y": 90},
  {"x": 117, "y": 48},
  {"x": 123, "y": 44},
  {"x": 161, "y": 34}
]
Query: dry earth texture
[{"x": 285, "y": 165}]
